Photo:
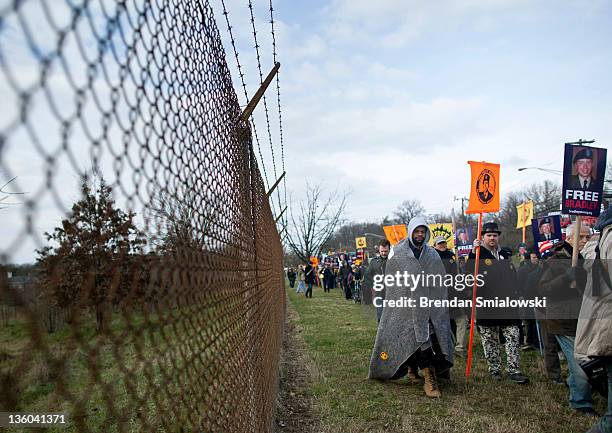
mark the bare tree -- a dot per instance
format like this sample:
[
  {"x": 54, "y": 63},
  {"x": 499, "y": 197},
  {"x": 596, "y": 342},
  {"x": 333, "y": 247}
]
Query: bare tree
[
  {"x": 408, "y": 210},
  {"x": 316, "y": 222},
  {"x": 440, "y": 217},
  {"x": 344, "y": 236}
]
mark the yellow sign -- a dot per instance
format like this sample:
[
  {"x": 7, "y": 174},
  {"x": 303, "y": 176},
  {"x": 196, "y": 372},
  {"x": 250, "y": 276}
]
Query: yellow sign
[
  {"x": 484, "y": 187},
  {"x": 395, "y": 233},
  {"x": 314, "y": 261},
  {"x": 442, "y": 229},
  {"x": 524, "y": 215},
  {"x": 360, "y": 242}
]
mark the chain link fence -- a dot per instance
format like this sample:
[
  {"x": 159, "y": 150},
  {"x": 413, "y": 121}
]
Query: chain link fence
[{"x": 156, "y": 299}]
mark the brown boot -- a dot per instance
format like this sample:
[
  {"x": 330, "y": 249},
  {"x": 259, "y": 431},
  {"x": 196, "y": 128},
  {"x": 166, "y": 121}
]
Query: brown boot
[
  {"x": 431, "y": 385},
  {"x": 413, "y": 377}
]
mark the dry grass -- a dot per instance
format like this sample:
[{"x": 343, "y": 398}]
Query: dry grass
[{"x": 339, "y": 336}]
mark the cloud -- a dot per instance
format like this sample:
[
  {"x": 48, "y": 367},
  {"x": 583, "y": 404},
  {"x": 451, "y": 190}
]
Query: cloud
[{"x": 398, "y": 22}]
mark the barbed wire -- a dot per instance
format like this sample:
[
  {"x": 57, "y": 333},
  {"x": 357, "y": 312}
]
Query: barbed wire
[
  {"x": 246, "y": 93},
  {"x": 280, "y": 117},
  {"x": 265, "y": 104}
]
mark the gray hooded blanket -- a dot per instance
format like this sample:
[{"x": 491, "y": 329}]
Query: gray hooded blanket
[{"x": 402, "y": 330}]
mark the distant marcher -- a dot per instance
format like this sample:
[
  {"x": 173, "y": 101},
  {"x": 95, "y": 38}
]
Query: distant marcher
[
  {"x": 328, "y": 278},
  {"x": 291, "y": 275},
  {"x": 301, "y": 288},
  {"x": 346, "y": 274},
  {"x": 376, "y": 267},
  {"x": 309, "y": 279}
]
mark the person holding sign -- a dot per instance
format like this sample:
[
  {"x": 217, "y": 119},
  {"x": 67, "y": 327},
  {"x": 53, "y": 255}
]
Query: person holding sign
[
  {"x": 594, "y": 332},
  {"x": 499, "y": 281},
  {"x": 563, "y": 308}
]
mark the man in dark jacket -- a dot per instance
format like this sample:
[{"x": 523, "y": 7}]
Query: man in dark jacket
[
  {"x": 346, "y": 274},
  {"x": 563, "y": 309},
  {"x": 376, "y": 267},
  {"x": 499, "y": 281},
  {"x": 309, "y": 279},
  {"x": 328, "y": 278},
  {"x": 291, "y": 275}
]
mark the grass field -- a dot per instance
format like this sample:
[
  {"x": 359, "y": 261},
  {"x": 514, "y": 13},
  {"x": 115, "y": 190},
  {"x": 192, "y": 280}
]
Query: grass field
[
  {"x": 338, "y": 337},
  {"x": 135, "y": 378}
]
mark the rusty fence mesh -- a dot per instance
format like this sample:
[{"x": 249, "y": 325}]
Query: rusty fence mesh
[{"x": 155, "y": 301}]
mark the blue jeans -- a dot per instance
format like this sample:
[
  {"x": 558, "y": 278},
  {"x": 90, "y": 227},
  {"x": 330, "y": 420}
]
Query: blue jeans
[{"x": 579, "y": 388}]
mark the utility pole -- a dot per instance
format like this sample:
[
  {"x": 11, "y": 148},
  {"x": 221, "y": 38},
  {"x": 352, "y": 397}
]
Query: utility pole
[
  {"x": 581, "y": 141},
  {"x": 463, "y": 200}
]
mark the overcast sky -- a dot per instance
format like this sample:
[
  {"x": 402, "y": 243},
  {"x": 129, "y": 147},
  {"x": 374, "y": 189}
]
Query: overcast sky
[{"x": 387, "y": 98}]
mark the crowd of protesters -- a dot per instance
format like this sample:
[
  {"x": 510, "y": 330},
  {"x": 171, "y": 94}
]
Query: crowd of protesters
[
  {"x": 347, "y": 276},
  {"x": 575, "y": 325}
]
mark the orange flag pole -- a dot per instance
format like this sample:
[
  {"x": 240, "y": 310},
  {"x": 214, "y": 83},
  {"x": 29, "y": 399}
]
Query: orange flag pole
[{"x": 468, "y": 366}]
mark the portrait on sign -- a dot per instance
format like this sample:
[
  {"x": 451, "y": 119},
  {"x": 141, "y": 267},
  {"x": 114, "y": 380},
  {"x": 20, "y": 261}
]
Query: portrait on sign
[
  {"x": 546, "y": 231},
  {"x": 464, "y": 240},
  {"x": 485, "y": 186},
  {"x": 583, "y": 178}
]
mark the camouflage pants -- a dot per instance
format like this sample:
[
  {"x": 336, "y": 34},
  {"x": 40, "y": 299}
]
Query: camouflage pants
[{"x": 490, "y": 344}]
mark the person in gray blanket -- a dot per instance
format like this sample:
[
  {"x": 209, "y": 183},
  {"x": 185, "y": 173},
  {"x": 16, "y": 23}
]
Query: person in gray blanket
[{"x": 413, "y": 336}]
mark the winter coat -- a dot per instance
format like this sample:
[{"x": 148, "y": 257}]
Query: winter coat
[
  {"x": 403, "y": 330},
  {"x": 376, "y": 267},
  {"x": 562, "y": 301},
  {"x": 594, "y": 332},
  {"x": 291, "y": 275},
  {"x": 499, "y": 281},
  {"x": 345, "y": 271},
  {"x": 449, "y": 262},
  {"x": 309, "y": 275},
  {"x": 450, "y": 266},
  {"x": 328, "y": 274}
]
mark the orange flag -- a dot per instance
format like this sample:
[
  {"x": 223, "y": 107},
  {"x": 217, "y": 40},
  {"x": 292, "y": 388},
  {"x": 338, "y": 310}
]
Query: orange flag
[
  {"x": 484, "y": 188},
  {"x": 395, "y": 233}
]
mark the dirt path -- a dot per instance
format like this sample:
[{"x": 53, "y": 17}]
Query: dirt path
[{"x": 295, "y": 411}]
